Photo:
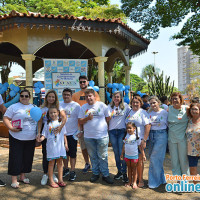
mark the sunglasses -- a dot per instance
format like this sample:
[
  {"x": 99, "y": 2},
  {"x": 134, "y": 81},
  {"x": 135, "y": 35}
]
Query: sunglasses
[
  {"x": 26, "y": 96},
  {"x": 82, "y": 82}
]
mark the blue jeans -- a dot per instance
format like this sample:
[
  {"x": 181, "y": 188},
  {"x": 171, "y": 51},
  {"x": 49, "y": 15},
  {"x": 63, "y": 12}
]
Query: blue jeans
[
  {"x": 116, "y": 139},
  {"x": 98, "y": 152},
  {"x": 157, "y": 150}
]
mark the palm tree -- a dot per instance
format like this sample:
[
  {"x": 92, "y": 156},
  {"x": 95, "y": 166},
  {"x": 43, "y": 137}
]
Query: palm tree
[{"x": 148, "y": 72}]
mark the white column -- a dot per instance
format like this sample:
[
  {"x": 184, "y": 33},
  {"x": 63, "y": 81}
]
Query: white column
[
  {"x": 29, "y": 58},
  {"x": 127, "y": 74},
  {"x": 110, "y": 75},
  {"x": 100, "y": 60}
]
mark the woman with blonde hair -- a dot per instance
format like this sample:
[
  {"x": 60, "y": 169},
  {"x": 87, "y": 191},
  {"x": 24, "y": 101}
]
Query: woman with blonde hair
[
  {"x": 157, "y": 142},
  {"x": 119, "y": 111},
  {"x": 51, "y": 99}
]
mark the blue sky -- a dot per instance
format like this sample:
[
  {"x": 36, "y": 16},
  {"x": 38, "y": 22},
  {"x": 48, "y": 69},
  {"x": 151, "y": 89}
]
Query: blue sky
[{"x": 165, "y": 59}]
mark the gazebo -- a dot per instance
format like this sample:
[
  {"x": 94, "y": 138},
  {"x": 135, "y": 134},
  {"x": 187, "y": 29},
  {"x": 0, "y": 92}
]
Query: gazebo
[{"x": 27, "y": 38}]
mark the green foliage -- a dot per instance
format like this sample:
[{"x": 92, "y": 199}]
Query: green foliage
[
  {"x": 160, "y": 86},
  {"x": 148, "y": 72},
  {"x": 138, "y": 84},
  {"x": 87, "y": 8},
  {"x": 156, "y": 14}
]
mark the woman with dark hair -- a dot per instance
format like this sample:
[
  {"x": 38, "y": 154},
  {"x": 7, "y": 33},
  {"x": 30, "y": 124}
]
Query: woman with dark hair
[
  {"x": 119, "y": 111},
  {"x": 141, "y": 119},
  {"x": 22, "y": 135},
  {"x": 177, "y": 124},
  {"x": 51, "y": 99},
  {"x": 193, "y": 137}
]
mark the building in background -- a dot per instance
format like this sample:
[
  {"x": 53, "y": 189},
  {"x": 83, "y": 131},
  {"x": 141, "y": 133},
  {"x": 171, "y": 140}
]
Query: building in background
[{"x": 187, "y": 67}]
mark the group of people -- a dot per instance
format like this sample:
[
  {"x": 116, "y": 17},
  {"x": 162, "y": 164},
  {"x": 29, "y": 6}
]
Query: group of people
[{"x": 82, "y": 116}]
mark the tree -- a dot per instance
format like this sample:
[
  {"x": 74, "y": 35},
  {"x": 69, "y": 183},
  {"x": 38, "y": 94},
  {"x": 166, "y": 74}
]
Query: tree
[
  {"x": 5, "y": 70},
  {"x": 156, "y": 14},
  {"x": 87, "y": 8},
  {"x": 148, "y": 72},
  {"x": 137, "y": 83}
]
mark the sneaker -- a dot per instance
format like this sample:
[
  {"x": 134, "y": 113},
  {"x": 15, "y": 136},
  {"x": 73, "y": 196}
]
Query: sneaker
[
  {"x": 44, "y": 179},
  {"x": 72, "y": 176},
  {"x": 2, "y": 184},
  {"x": 94, "y": 178},
  {"x": 125, "y": 178},
  {"x": 118, "y": 176},
  {"x": 86, "y": 169},
  {"x": 65, "y": 172},
  {"x": 107, "y": 179},
  {"x": 55, "y": 179}
]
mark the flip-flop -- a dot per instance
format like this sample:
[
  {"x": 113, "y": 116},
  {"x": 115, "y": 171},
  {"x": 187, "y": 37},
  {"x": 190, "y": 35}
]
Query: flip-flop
[
  {"x": 54, "y": 185},
  {"x": 141, "y": 185},
  {"x": 62, "y": 184},
  {"x": 128, "y": 186},
  {"x": 134, "y": 187},
  {"x": 25, "y": 181},
  {"x": 15, "y": 185}
]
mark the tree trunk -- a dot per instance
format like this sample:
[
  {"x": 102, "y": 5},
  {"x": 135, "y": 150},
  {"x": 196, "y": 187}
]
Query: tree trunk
[{"x": 5, "y": 72}]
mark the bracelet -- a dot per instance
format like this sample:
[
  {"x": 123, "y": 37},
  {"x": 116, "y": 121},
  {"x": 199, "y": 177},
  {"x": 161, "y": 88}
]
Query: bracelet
[{"x": 81, "y": 131}]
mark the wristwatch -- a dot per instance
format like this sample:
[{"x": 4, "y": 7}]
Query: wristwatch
[
  {"x": 81, "y": 131},
  {"x": 144, "y": 140}
]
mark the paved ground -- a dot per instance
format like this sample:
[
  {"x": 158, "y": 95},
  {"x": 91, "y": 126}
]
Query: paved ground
[{"x": 82, "y": 188}]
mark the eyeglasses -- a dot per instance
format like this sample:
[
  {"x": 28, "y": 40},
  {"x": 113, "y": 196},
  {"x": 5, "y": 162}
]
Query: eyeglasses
[
  {"x": 82, "y": 82},
  {"x": 175, "y": 99},
  {"x": 26, "y": 96}
]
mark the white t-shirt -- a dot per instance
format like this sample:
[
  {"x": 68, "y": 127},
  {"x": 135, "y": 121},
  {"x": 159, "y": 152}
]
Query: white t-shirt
[
  {"x": 118, "y": 117},
  {"x": 131, "y": 145},
  {"x": 19, "y": 111},
  {"x": 140, "y": 118},
  {"x": 164, "y": 106},
  {"x": 1, "y": 100},
  {"x": 71, "y": 110},
  {"x": 97, "y": 127},
  {"x": 44, "y": 114},
  {"x": 55, "y": 144},
  {"x": 158, "y": 119}
]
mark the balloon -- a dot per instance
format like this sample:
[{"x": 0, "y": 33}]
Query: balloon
[
  {"x": 126, "y": 91},
  {"x": 1, "y": 91},
  {"x": 123, "y": 88},
  {"x": 96, "y": 88},
  {"x": 115, "y": 85},
  {"x": 142, "y": 94},
  {"x": 1, "y": 85},
  {"x": 138, "y": 92},
  {"x": 16, "y": 89},
  {"x": 114, "y": 90},
  {"x": 126, "y": 99},
  {"x": 127, "y": 87},
  {"x": 6, "y": 84},
  {"x": 41, "y": 86},
  {"x": 12, "y": 86},
  {"x": 37, "y": 90},
  {"x": 107, "y": 94},
  {"x": 36, "y": 113},
  {"x": 91, "y": 83},
  {"x": 4, "y": 88},
  {"x": 109, "y": 85},
  {"x": 36, "y": 85},
  {"x": 121, "y": 85},
  {"x": 12, "y": 93}
]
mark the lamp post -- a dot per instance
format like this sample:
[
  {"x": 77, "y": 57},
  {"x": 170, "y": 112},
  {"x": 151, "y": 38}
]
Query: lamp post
[
  {"x": 67, "y": 40},
  {"x": 154, "y": 52}
]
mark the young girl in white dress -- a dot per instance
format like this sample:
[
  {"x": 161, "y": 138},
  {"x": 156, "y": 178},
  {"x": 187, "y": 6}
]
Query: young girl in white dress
[
  {"x": 56, "y": 145},
  {"x": 130, "y": 153}
]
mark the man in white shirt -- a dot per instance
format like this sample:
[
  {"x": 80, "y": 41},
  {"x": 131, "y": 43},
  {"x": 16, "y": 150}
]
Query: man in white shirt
[
  {"x": 94, "y": 116},
  {"x": 71, "y": 109},
  {"x": 3, "y": 110}
]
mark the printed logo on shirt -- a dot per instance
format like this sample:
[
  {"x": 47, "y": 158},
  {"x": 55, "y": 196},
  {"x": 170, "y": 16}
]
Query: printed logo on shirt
[
  {"x": 44, "y": 115},
  {"x": 92, "y": 111},
  {"x": 130, "y": 140},
  {"x": 155, "y": 120},
  {"x": 68, "y": 112},
  {"x": 116, "y": 112},
  {"x": 28, "y": 112},
  {"x": 133, "y": 117}
]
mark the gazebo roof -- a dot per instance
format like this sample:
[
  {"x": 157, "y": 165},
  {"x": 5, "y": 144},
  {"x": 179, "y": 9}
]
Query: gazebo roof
[{"x": 112, "y": 26}]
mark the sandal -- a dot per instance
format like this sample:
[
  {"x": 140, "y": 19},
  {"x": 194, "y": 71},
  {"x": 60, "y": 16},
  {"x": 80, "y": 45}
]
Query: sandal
[
  {"x": 54, "y": 185},
  {"x": 62, "y": 184},
  {"x": 25, "y": 181},
  {"x": 128, "y": 185},
  {"x": 15, "y": 185},
  {"x": 141, "y": 185}
]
